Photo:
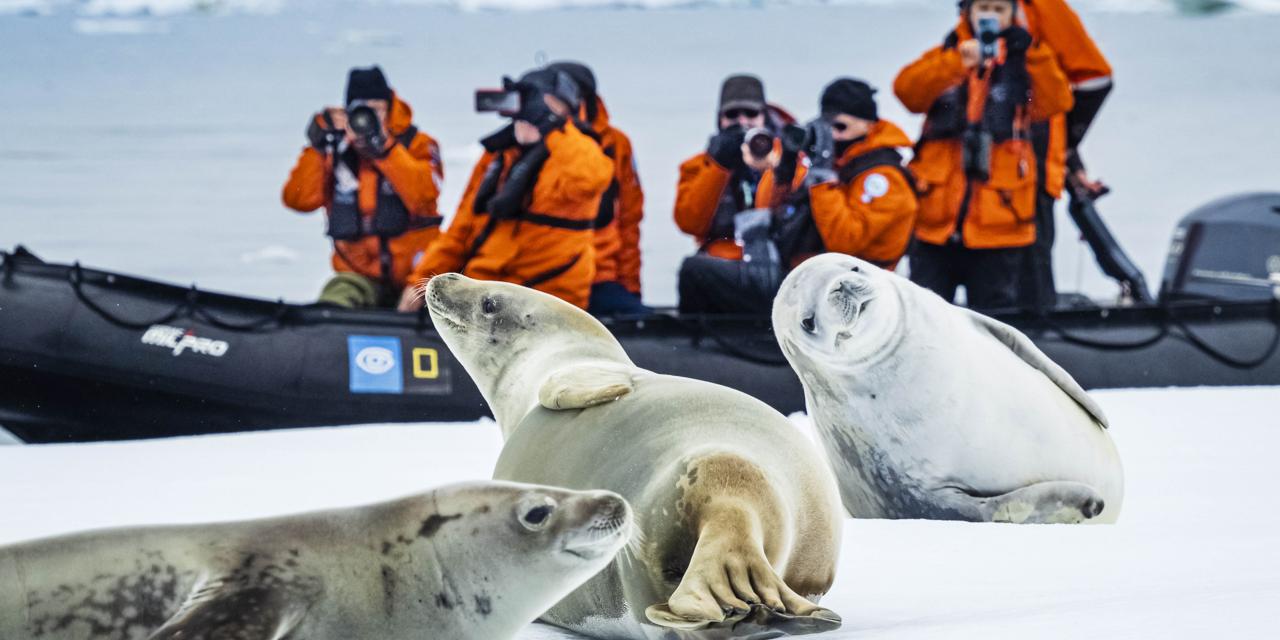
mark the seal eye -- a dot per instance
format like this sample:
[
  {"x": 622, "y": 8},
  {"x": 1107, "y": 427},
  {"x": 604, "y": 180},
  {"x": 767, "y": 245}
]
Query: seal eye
[
  {"x": 536, "y": 513},
  {"x": 489, "y": 306},
  {"x": 808, "y": 324}
]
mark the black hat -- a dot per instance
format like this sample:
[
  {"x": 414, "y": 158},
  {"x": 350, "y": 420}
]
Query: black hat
[
  {"x": 742, "y": 91},
  {"x": 367, "y": 84},
  {"x": 550, "y": 81},
  {"x": 581, "y": 75},
  {"x": 850, "y": 96}
]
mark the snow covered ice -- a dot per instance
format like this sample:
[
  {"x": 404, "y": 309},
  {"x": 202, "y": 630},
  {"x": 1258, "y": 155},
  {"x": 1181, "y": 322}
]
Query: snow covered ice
[{"x": 1195, "y": 552}]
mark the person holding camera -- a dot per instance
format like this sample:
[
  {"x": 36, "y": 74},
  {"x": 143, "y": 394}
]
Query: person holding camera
[
  {"x": 861, "y": 199},
  {"x": 378, "y": 178},
  {"x": 530, "y": 207},
  {"x": 616, "y": 290},
  {"x": 719, "y": 199},
  {"x": 975, "y": 165}
]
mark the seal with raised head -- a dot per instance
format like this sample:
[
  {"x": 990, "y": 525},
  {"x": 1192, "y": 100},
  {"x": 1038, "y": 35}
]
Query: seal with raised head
[
  {"x": 928, "y": 410},
  {"x": 478, "y": 561},
  {"x": 738, "y": 518}
]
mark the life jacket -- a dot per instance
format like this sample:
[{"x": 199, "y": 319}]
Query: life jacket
[
  {"x": 794, "y": 231},
  {"x": 391, "y": 218}
]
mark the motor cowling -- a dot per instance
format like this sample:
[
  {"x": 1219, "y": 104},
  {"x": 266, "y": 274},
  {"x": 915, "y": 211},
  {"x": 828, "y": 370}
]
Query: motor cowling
[{"x": 1228, "y": 249}]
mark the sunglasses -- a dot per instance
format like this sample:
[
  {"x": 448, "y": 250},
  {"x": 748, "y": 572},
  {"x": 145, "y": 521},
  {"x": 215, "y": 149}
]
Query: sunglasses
[
  {"x": 839, "y": 126},
  {"x": 734, "y": 114}
]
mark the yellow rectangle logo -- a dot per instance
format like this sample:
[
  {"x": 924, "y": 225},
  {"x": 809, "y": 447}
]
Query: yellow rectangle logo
[{"x": 426, "y": 363}]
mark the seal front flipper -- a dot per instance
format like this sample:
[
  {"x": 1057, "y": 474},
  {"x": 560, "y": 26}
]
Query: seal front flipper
[
  {"x": 582, "y": 386},
  {"x": 1024, "y": 348},
  {"x": 226, "y": 609}
]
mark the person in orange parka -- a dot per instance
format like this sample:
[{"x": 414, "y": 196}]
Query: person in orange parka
[
  {"x": 975, "y": 166},
  {"x": 1057, "y": 140},
  {"x": 528, "y": 212},
  {"x": 864, "y": 205},
  {"x": 616, "y": 290},
  {"x": 725, "y": 179},
  {"x": 379, "y": 190}
]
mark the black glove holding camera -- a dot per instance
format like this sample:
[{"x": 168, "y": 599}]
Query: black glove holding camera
[
  {"x": 726, "y": 147},
  {"x": 321, "y": 133},
  {"x": 1016, "y": 41}
]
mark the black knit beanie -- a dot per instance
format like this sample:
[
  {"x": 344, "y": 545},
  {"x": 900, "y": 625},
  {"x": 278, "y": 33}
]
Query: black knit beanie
[
  {"x": 367, "y": 84},
  {"x": 853, "y": 97}
]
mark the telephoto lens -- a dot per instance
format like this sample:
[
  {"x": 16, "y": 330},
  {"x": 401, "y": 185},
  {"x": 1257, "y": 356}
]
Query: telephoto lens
[
  {"x": 362, "y": 119},
  {"x": 759, "y": 143},
  {"x": 988, "y": 34}
]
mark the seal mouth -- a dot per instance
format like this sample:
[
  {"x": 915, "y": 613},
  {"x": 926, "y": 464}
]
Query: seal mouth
[
  {"x": 439, "y": 305},
  {"x": 597, "y": 542}
]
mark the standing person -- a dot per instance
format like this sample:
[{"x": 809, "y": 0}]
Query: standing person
[
  {"x": 1057, "y": 140},
  {"x": 717, "y": 185},
  {"x": 528, "y": 212},
  {"x": 378, "y": 178},
  {"x": 616, "y": 290},
  {"x": 862, "y": 202},
  {"x": 975, "y": 164}
]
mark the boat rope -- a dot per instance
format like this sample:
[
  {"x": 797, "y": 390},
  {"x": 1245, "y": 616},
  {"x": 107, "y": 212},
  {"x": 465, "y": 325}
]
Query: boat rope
[{"x": 189, "y": 307}]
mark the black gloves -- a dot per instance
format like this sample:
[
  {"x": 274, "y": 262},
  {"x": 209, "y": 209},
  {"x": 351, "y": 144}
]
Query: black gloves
[
  {"x": 500, "y": 140},
  {"x": 1016, "y": 40},
  {"x": 320, "y": 132},
  {"x": 726, "y": 147}
]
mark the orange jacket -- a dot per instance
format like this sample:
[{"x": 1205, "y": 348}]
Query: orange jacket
[
  {"x": 618, "y": 243},
  {"x": 1000, "y": 212},
  {"x": 415, "y": 173},
  {"x": 698, "y": 199},
  {"x": 1056, "y": 24},
  {"x": 872, "y": 216},
  {"x": 554, "y": 260}
]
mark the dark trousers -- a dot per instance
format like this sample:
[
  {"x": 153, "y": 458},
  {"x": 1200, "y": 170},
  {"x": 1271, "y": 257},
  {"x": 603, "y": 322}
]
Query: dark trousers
[
  {"x": 716, "y": 285},
  {"x": 1036, "y": 289},
  {"x": 990, "y": 276},
  {"x": 613, "y": 299}
]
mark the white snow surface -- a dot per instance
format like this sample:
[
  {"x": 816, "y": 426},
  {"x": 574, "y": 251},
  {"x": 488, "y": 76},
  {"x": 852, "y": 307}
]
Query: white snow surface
[{"x": 1196, "y": 552}]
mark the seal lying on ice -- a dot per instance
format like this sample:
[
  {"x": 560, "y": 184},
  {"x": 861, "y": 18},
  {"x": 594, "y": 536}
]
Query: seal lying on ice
[
  {"x": 739, "y": 518},
  {"x": 928, "y": 410},
  {"x": 475, "y": 561}
]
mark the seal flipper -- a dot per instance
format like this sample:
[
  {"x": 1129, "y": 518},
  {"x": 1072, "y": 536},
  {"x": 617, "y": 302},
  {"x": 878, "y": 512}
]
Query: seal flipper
[
  {"x": 582, "y": 386},
  {"x": 1024, "y": 348},
  {"x": 217, "y": 609},
  {"x": 1053, "y": 502}
]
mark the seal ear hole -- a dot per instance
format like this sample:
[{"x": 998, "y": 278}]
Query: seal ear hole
[
  {"x": 808, "y": 324},
  {"x": 489, "y": 306}
]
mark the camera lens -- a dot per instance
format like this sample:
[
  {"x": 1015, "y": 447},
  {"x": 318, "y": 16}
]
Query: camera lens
[
  {"x": 759, "y": 142},
  {"x": 363, "y": 120}
]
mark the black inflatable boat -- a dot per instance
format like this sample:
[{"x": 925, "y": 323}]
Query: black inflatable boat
[{"x": 87, "y": 354}]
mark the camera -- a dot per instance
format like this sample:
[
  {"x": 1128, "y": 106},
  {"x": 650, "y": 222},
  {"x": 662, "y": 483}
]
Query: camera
[
  {"x": 363, "y": 120},
  {"x": 988, "y": 35},
  {"x": 504, "y": 102},
  {"x": 759, "y": 142}
]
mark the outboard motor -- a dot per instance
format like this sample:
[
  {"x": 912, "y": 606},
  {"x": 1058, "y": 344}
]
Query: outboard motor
[{"x": 1228, "y": 249}]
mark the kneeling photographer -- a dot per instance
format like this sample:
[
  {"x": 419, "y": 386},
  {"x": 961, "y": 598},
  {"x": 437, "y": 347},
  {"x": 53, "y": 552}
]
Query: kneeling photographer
[
  {"x": 378, "y": 178},
  {"x": 528, "y": 213}
]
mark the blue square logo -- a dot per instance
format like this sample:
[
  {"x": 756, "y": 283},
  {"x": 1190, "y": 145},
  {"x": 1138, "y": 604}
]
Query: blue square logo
[{"x": 375, "y": 364}]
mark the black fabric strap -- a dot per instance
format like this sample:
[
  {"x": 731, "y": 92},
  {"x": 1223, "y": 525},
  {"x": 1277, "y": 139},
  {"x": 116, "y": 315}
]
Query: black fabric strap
[
  {"x": 885, "y": 157},
  {"x": 551, "y": 274},
  {"x": 558, "y": 223}
]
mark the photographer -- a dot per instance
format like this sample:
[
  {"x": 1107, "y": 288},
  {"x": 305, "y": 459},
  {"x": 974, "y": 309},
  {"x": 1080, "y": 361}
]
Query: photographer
[
  {"x": 616, "y": 290},
  {"x": 528, "y": 212},
  {"x": 862, "y": 201},
  {"x": 975, "y": 164},
  {"x": 732, "y": 176},
  {"x": 727, "y": 179},
  {"x": 378, "y": 178}
]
